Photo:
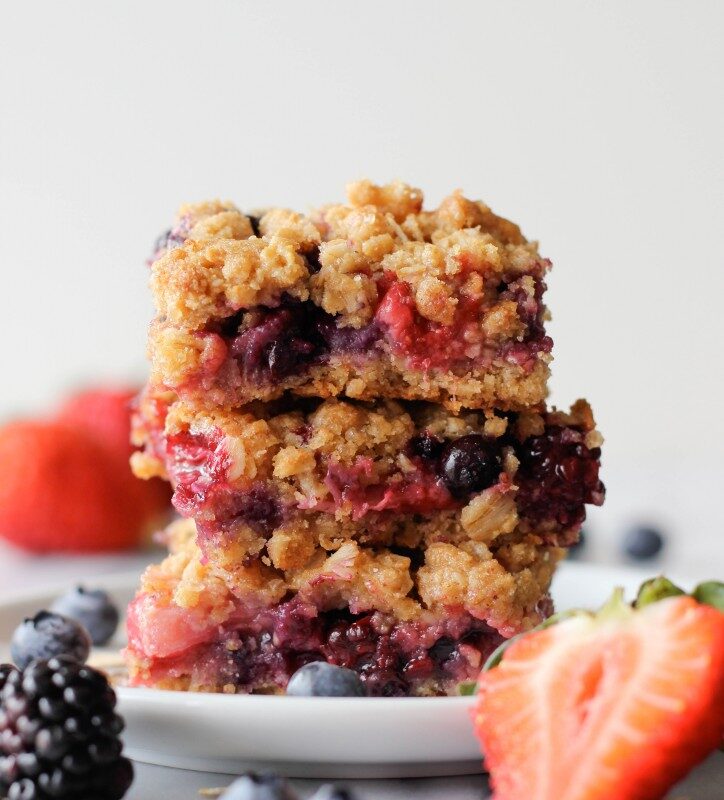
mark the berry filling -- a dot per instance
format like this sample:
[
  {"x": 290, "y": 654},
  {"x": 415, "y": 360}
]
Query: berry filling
[
  {"x": 426, "y": 344},
  {"x": 273, "y": 344},
  {"x": 198, "y": 466},
  {"x": 420, "y": 492},
  {"x": 260, "y": 650},
  {"x": 278, "y": 343},
  {"x": 556, "y": 478}
]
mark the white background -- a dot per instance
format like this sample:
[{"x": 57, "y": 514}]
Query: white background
[{"x": 598, "y": 126}]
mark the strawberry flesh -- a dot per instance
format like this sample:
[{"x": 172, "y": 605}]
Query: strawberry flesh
[{"x": 605, "y": 707}]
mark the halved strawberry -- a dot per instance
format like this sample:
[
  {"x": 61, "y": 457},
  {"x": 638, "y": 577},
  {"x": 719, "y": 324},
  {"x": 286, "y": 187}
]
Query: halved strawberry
[{"x": 619, "y": 705}]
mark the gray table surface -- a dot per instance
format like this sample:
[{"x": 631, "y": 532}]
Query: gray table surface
[{"x": 158, "y": 783}]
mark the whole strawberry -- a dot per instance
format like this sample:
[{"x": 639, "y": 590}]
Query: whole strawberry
[
  {"x": 621, "y": 704},
  {"x": 105, "y": 414},
  {"x": 61, "y": 490}
]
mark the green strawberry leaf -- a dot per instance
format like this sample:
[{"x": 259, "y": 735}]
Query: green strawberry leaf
[
  {"x": 655, "y": 589},
  {"x": 710, "y": 593}
]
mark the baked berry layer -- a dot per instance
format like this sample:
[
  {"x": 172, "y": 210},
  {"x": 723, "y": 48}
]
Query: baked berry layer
[
  {"x": 376, "y": 298},
  {"x": 187, "y": 630},
  {"x": 273, "y": 482},
  {"x": 259, "y": 655}
]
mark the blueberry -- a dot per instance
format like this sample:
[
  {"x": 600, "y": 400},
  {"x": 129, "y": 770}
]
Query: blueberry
[
  {"x": 259, "y": 787},
  {"x": 642, "y": 542},
  {"x": 347, "y": 340},
  {"x": 46, "y": 635},
  {"x": 469, "y": 464},
  {"x": 283, "y": 342},
  {"x": 330, "y": 792},
  {"x": 94, "y": 610},
  {"x": 320, "y": 679},
  {"x": 168, "y": 240},
  {"x": 285, "y": 356}
]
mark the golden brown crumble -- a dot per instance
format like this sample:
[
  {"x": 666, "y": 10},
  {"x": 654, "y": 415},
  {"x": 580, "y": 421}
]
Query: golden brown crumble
[
  {"x": 222, "y": 266},
  {"x": 455, "y": 261},
  {"x": 502, "y": 588}
]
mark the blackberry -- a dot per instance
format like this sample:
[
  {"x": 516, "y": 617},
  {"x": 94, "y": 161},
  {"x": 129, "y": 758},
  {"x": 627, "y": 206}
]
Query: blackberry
[
  {"x": 59, "y": 734},
  {"x": 557, "y": 477},
  {"x": 6, "y": 670}
]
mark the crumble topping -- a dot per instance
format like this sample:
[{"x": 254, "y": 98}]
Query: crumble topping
[
  {"x": 375, "y": 297},
  {"x": 396, "y": 198},
  {"x": 202, "y": 279},
  {"x": 503, "y": 588},
  {"x": 221, "y": 266}
]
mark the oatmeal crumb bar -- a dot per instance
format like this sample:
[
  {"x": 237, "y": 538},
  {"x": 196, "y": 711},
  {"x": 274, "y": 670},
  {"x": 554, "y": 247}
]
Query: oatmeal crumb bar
[
  {"x": 290, "y": 485},
  {"x": 407, "y": 629},
  {"x": 374, "y": 298}
]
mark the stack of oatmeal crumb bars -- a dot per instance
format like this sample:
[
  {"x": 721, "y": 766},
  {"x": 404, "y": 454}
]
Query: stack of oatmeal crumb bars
[{"x": 350, "y": 405}]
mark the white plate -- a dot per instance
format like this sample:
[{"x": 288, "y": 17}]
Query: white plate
[{"x": 312, "y": 737}]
